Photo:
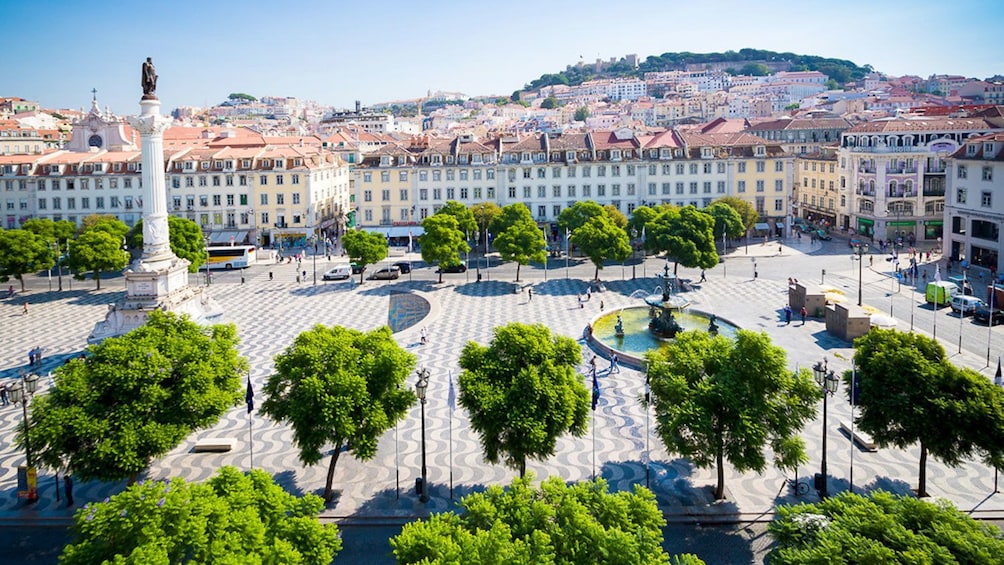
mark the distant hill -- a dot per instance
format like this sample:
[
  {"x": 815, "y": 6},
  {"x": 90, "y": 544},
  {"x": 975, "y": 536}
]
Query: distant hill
[{"x": 744, "y": 61}]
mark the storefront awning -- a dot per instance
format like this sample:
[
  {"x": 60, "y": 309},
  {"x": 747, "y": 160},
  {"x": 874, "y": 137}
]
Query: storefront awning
[
  {"x": 761, "y": 226},
  {"x": 226, "y": 236},
  {"x": 398, "y": 231}
]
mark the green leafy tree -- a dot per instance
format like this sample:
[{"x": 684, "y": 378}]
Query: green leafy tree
[
  {"x": 576, "y": 215},
  {"x": 881, "y": 528},
  {"x": 686, "y": 236},
  {"x": 485, "y": 214},
  {"x": 135, "y": 397},
  {"x": 552, "y": 523},
  {"x": 755, "y": 69},
  {"x": 726, "y": 218},
  {"x": 232, "y": 518},
  {"x": 718, "y": 399},
  {"x": 581, "y": 114},
  {"x": 97, "y": 251},
  {"x": 464, "y": 216},
  {"x": 518, "y": 237},
  {"x": 365, "y": 248},
  {"x": 22, "y": 252},
  {"x": 522, "y": 392},
  {"x": 103, "y": 222},
  {"x": 641, "y": 218},
  {"x": 58, "y": 231},
  {"x": 549, "y": 103},
  {"x": 342, "y": 388},
  {"x": 601, "y": 239},
  {"x": 616, "y": 216},
  {"x": 906, "y": 383},
  {"x": 747, "y": 213},
  {"x": 185, "y": 238},
  {"x": 442, "y": 241}
]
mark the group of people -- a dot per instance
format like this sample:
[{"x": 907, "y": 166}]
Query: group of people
[
  {"x": 35, "y": 356},
  {"x": 788, "y": 313}
]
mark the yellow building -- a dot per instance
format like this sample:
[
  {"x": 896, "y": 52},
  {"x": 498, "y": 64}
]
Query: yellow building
[{"x": 820, "y": 199}]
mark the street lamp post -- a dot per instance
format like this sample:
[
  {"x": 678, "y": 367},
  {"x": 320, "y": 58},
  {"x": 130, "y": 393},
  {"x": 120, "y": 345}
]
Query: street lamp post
[
  {"x": 21, "y": 393},
  {"x": 421, "y": 387},
  {"x": 827, "y": 382},
  {"x": 860, "y": 250},
  {"x": 315, "y": 259},
  {"x": 59, "y": 264}
]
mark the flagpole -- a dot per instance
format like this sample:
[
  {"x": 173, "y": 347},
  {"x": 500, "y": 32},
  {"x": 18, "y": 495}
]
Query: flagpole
[
  {"x": 596, "y": 398},
  {"x": 452, "y": 399},
  {"x": 648, "y": 455},
  {"x": 854, "y": 379},
  {"x": 998, "y": 381},
  {"x": 937, "y": 291},
  {"x": 990, "y": 321},
  {"x": 249, "y": 398},
  {"x": 962, "y": 314}
]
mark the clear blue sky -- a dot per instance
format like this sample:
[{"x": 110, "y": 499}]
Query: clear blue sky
[{"x": 336, "y": 51}]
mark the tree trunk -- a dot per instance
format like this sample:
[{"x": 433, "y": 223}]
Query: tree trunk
[
  {"x": 97, "y": 277},
  {"x": 132, "y": 480},
  {"x": 922, "y": 478},
  {"x": 517, "y": 271},
  {"x": 20, "y": 279},
  {"x": 720, "y": 489},
  {"x": 522, "y": 468},
  {"x": 361, "y": 272},
  {"x": 676, "y": 265},
  {"x": 596, "y": 274},
  {"x": 440, "y": 275},
  {"x": 331, "y": 472}
]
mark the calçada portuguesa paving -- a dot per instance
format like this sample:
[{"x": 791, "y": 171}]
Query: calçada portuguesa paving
[{"x": 269, "y": 314}]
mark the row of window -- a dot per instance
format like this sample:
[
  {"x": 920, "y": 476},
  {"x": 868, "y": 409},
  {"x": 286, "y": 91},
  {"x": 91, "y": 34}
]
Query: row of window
[
  {"x": 72, "y": 184},
  {"x": 228, "y": 180},
  {"x": 115, "y": 203},
  {"x": 962, "y": 172},
  {"x": 986, "y": 197}
]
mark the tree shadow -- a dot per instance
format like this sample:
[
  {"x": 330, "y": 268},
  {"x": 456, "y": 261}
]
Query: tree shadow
[
  {"x": 287, "y": 480},
  {"x": 714, "y": 544},
  {"x": 486, "y": 288},
  {"x": 404, "y": 504}
]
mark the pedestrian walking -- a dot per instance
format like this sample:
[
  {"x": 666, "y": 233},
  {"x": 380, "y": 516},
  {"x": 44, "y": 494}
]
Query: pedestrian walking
[
  {"x": 601, "y": 305},
  {"x": 871, "y": 260},
  {"x": 24, "y": 312},
  {"x": 804, "y": 313},
  {"x": 38, "y": 355},
  {"x": 31, "y": 357},
  {"x": 787, "y": 314},
  {"x": 425, "y": 335},
  {"x": 529, "y": 294},
  {"x": 614, "y": 368},
  {"x": 704, "y": 277},
  {"x": 592, "y": 363},
  {"x": 270, "y": 275},
  {"x": 3, "y": 396},
  {"x": 779, "y": 249},
  {"x": 242, "y": 279},
  {"x": 68, "y": 487}
]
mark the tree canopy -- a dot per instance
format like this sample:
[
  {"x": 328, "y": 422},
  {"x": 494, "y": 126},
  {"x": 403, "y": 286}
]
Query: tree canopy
[
  {"x": 576, "y": 215},
  {"x": 727, "y": 219},
  {"x": 342, "y": 388},
  {"x": 601, "y": 239},
  {"x": 57, "y": 231},
  {"x": 906, "y": 382},
  {"x": 518, "y": 238},
  {"x": 881, "y": 528},
  {"x": 686, "y": 236},
  {"x": 103, "y": 222},
  {"x": 552, "y": 523},
  {"x": 442, "y": 241},
  {"x": 718, "y": 399},
  {"x": 232, "y": 518},
  {"x": 97, "y": 251},
  {"x": 185, "y": 238},
  {"x": 365, "y": 248},
  {"x": 23, "y": 252},
  {"x": 747, "y": 212},
  {"x": 135, "y": 397},
  {"x": 466, "y": 222},
  {"x": 522, "y": 392}
]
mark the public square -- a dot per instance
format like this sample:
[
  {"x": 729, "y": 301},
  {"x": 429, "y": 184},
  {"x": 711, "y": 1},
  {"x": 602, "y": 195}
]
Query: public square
[{"x": 270, "y": 313}]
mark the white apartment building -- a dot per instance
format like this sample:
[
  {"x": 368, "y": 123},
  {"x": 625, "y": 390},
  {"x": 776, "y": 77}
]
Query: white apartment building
[{"x": 974, "y": 209}]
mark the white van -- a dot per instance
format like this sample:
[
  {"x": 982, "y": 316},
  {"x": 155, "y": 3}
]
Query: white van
[
  {"x": 966, "y": 304},
  {"x": 338, "y": 272}
]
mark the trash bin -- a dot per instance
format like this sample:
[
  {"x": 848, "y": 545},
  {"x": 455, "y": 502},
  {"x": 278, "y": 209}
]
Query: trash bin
[{"x": 819, "y": 312}]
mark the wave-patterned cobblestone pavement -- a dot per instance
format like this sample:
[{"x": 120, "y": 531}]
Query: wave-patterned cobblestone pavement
[{"x": 269, "y": 314}]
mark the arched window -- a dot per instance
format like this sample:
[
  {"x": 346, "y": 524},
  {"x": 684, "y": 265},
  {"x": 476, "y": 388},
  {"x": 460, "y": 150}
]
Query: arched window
[
  {"x": 909, "y": 188},
  {"x": 892, "y": 188},
  {"x": 867, "y": 207},
  {"x": 871, "y": 187}
]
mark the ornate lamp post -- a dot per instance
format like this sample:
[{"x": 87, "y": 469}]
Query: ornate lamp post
[
  {"x": 827, "y": 382},
  {"x": 860, "y": 251},
  {"x": 21, "y": 393},
  {"x": 421, "y": 387}
]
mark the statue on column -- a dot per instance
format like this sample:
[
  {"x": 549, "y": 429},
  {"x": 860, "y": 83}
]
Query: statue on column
[{"x": 149, "y": 79}]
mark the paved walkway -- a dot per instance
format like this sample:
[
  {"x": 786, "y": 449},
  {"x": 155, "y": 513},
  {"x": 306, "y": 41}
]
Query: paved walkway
[{"x": 269, "y": 314}]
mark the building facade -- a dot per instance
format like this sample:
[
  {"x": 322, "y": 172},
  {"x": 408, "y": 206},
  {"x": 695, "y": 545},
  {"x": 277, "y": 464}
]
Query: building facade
[{"x": 974, "y": 211}]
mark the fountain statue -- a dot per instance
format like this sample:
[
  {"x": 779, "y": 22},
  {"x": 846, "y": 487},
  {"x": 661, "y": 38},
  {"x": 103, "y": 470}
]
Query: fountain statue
[
  {"x": 712, "y": 326},
  {"x": 665, "y": 325},
  {"x": 619, "y": 327}
]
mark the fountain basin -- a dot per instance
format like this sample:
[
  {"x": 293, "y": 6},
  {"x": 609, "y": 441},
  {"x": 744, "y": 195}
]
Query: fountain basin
[{"x": 637, "y": 339}]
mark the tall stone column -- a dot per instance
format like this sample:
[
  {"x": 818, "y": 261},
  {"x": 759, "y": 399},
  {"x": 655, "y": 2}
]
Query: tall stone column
[{"x": 151, "y": 126}]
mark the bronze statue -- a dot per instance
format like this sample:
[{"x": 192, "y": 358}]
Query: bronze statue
[{"x": 149, "y": 79}]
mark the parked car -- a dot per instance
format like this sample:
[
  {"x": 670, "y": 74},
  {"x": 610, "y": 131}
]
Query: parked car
[
  {"x": 356, "y": 268},
  {"x": 963, "y": 283},
  {"x": 458, "y": 268},
  {"x": 823, "y": 235},
  {"x": 986, "y": 314},
  {"x": 964, "y": 304},
  {"x": 339, "y": 272},
  {"x": 405, "y": 267},
  {"x": 386, "y": 273}
]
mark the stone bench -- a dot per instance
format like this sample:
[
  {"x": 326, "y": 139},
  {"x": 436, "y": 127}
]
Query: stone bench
[
  {"x": 215, "y": 445},
  {"x": 860, "y": 437}
]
